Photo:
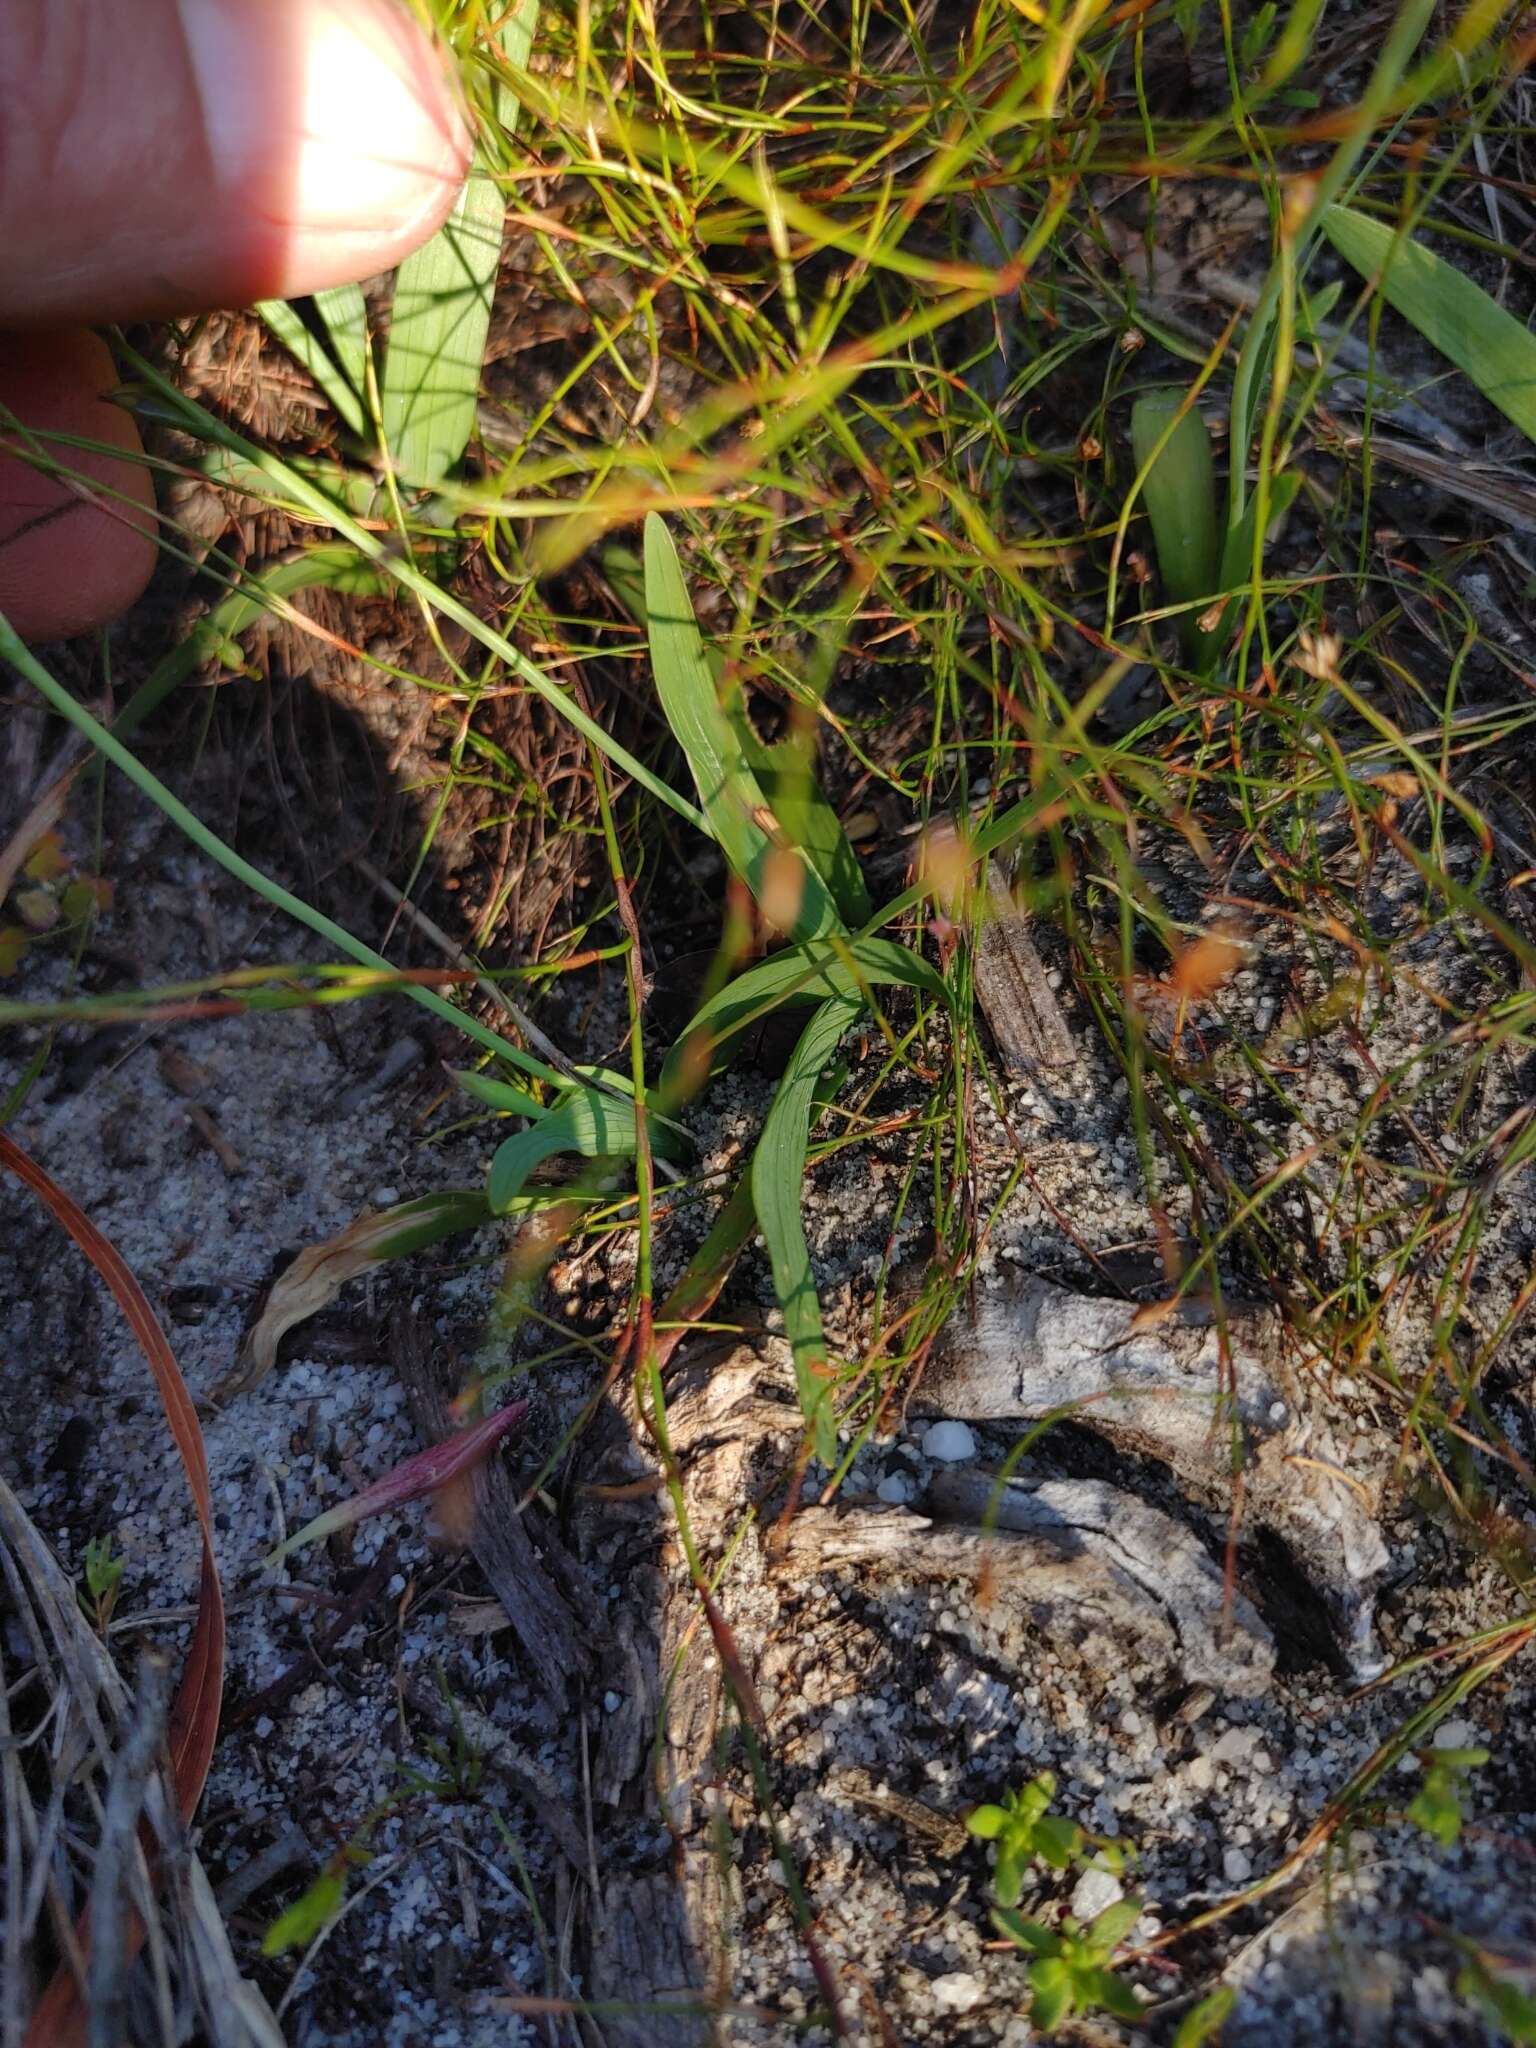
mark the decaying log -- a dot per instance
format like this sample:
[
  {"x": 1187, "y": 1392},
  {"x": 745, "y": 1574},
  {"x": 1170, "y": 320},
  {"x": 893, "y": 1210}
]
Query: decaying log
[
  {"x": 1097, "y": 1571},
  {"x": 1162, "y": 1390}
]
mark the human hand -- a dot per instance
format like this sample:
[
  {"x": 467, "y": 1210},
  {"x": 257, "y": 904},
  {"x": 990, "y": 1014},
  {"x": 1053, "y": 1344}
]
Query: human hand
[{"x": 161, "y": 157}]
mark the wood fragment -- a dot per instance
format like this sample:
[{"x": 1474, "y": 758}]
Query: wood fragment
[
  {"x": 554, "y": 1640},
  {"x": 1107, "y": 1579},
  {"x": 1016, "y": 997},
  {"x": 1029, "y": 1349}
]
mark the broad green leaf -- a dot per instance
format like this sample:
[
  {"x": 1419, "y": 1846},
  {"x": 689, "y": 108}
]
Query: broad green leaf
[
  {"x": 1492, "y": 347},
  {"x": 1104, "y": 1991},
  {"x": 800, "y": 975},
  {"x": 591, "y": 1125},
  {"x": 444, "y": 291},
  {"x": 1204, "y": 2022},
  {"x": 1111, "y": 1927},
  {"x": 1179, "y": 490},
  {"x": 778, "y": 1176},
  {"x": 1052, "y": 2002},
  {"x": 987, "y": 1821},
  {"x": 785, "y": 771},
  {"x": 735, "y": 804},
  {"x": 340, "y": 370}
]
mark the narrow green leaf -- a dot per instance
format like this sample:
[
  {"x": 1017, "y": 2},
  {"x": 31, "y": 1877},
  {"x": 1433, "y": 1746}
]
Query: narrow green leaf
[
  {"x": 1029, "y": 1935},
  {"x": 297, "y": 1925},
  {"x": 444, "y": 291},
  {"x": 734, "y": 801},
  {"x": 333, "y": 565},
  {"x": 800, "y": 974},
  {"x": 1111, "y": 1927},
  {"x": 344, "y": 316},
  {"x": 778, "y": 1176},
  {"x": 503, "y": 1095},
  {"x": 340, "y": 370},
  {"x": 786, "y": 772},
  {"x": 1179, "y": 489},
  {"x": 1452, "y": 313},
  {"x": 1237, "y": 550},
  {"x": 594, "y": 1126}
]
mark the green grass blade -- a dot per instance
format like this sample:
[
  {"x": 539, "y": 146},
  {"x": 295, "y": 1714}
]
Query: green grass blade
[
  {"x": 778, "y": 1178},
  {"x": 430, "y": 387},
  {"x": 306, "y": 491},
  {"x": 1452, "y": 313},
  {"x": 341, "y": 372},
  {"x": 734, "y": 801},
  {"x": 335, "y": 565},
  {"x": 1178, "y": 486},
  {"x": 800, "y": 975}
]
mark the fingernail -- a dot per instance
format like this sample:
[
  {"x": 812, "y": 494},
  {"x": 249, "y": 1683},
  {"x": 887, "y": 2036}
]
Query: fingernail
[{"x": 335, "y": 116}]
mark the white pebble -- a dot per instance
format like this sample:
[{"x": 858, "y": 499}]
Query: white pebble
[
  {"x": 896, "y": 1488},
  {"x": 1237, "y": 1865},
  {"x": 949, "y": 1443},
  {"x": 957, "y": 1991},
  {"x": 1235, "y": 1744},
  {"x": 1094, "y": 1891},
  {"x": 1456, "y": 1735}
]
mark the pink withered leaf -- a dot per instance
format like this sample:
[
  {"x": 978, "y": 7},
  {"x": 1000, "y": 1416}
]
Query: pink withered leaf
[{"x": 424, "y": 1472}]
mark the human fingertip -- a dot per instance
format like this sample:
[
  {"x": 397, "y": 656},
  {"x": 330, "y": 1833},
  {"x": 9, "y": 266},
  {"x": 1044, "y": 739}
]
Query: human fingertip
[
  {"x": 350, "y": 153},
  {"x": 76, "y": 550}
]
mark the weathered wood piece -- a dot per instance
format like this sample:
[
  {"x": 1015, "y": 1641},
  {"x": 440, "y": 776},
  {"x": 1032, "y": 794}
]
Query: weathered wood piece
[
  {"x": 654, "y": 1936},
  {"x": 553, "y": 1638},
  {"x": 1016, "y": 998},
  {"x": 1161, "y": 1390},
  {"x": 1103, "y": 1575}
]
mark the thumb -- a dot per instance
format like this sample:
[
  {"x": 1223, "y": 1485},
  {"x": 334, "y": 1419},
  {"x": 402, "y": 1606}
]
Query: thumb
[{"x": 164, "y": 156}]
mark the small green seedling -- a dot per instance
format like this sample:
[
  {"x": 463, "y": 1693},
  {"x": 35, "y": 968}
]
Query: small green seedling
[
  {"x": 1026, "y": 1831},
  {"x": 1070, "y": 1971},
  {"x": 103, "y": 1578},
  {"x": 1437, "y": 1805}
]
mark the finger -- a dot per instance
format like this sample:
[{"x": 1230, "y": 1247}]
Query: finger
[
  {"x": 162, "y": 156},
  {"x": 75, "y": 551}
]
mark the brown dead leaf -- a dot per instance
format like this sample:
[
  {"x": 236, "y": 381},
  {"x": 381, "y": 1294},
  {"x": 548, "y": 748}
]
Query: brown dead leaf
[{"x": 320, "y": 1271}]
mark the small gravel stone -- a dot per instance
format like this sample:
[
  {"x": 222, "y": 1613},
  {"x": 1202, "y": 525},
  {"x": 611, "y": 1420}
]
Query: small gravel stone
[
  {"x": 1238, "y": 1866},
  {"x": 1095, "y": 1890},
  {"x": 957, "y": 1991},
  {"x": 950, "y": 1443}
]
